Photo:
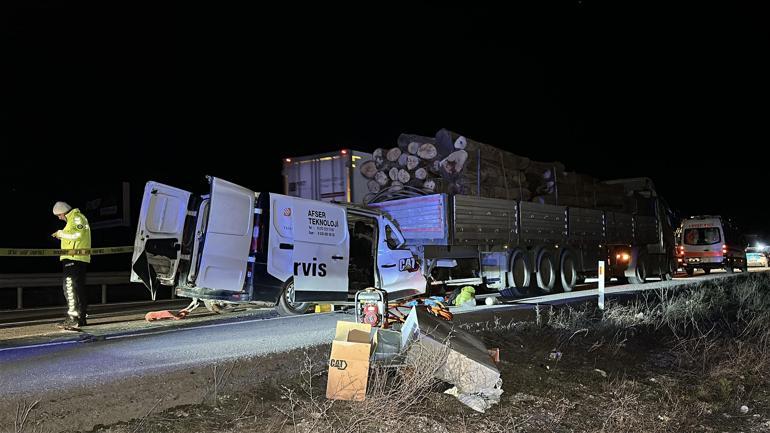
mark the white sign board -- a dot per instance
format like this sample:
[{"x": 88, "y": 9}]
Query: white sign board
[
  {"x": 320, "y": 256},
  {"x": 601, "y": 285}
]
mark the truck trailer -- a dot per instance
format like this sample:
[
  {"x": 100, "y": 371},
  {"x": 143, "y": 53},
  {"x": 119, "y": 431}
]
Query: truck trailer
[{"x": 519, "y": 246}]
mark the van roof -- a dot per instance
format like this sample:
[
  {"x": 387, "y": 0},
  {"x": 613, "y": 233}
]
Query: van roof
[{"x": 694, "y": 221}]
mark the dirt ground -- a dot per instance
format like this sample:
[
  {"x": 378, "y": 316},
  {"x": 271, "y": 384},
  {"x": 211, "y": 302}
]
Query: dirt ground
[
  {"x": 590, "y": 384},
  {"x": 558, "y": 376}
]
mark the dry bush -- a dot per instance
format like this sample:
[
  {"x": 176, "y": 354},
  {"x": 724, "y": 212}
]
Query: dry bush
[{"x": 395, "y": 392}]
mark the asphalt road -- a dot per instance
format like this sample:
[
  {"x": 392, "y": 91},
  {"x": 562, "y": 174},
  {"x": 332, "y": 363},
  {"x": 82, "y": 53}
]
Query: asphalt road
[{"x": 116, "y": 352}]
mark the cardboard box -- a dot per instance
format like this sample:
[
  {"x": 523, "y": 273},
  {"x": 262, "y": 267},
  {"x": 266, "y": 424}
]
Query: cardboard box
[{"x": 349, "y": 361}]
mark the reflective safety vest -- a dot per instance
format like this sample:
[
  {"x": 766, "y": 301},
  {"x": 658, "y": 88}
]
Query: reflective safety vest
[{"x": 76, "y": 235}]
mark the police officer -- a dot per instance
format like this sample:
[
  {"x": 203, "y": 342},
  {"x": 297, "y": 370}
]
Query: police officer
[{"x": 76, "y": 235}]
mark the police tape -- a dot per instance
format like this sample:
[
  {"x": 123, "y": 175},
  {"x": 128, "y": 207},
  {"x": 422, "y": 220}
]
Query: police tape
[{"x": 30, "y": 252}]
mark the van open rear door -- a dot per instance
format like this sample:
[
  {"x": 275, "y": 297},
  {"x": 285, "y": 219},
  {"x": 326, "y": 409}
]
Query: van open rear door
[
  {"x": 159, "y": 235},
  {"x": 227, "y": 238}
]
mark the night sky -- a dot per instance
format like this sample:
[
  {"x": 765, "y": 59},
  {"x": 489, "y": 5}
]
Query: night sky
[{"x": 678, "y": 93}]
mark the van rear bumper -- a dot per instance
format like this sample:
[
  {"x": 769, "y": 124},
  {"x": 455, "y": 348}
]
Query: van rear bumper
[{"x": 704, "y": 262}]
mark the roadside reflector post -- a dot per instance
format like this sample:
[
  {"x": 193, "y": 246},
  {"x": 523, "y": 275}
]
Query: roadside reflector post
[
  {"x": 601, "y": 285},
  {"x": 104, "y": 293},
  {"x": 19, "y": 298}
]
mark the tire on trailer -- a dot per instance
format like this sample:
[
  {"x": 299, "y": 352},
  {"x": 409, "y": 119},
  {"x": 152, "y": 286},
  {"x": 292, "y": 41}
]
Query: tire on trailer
[
  {"x": 640, "y": 272},
  {"x": 568, "y": 277},
  {"x": 520, "y": 273},
  {"x": 670, "y": 270},
  {"x": 546, "y": 271},
  {"x": 690, "y": 271},
  {"x": 706, "y": 271},
  {"x": 286, "y": 306}
]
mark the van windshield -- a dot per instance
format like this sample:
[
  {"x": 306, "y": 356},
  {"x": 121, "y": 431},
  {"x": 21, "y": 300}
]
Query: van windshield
[{"x": 702, "y": 236}]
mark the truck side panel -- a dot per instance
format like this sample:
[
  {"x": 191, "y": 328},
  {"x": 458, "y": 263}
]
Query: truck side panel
[
  {"x": 620, "y": 228},
  {"x": 542, "y": 223},
  {"x": 484, "y": 221},
  {"x": 646, "y": 229},
  {"x": 422, "y": 220},
  {"x": 586, "y": 233}
]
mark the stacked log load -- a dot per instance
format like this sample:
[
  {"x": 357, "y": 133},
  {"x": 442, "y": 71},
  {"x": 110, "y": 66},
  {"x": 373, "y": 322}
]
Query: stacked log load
[{"x": 454, "y": 164}]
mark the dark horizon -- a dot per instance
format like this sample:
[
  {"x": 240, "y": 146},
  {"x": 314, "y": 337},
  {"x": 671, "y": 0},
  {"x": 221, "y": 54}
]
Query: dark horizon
[{"x": 675, "y": 93}]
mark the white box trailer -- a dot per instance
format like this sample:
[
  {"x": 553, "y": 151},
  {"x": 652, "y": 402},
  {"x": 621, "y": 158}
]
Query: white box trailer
[{"x": 331, "y": 176}]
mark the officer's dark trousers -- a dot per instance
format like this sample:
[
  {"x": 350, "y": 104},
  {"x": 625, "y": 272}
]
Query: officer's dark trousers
[{"x": 74, "y": 286}]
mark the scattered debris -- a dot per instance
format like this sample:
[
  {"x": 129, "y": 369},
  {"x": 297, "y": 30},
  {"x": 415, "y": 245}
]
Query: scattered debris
[
  {"x": 602, "y": 372},
  {"x": 744, "y": 409},
  {"x": 466, "y": 296},
  {"x": 469, "y": 366},
  {"x": 494, "y": 354},
  {"x": 165, "y": 314},
  {"x": 479, "y": 402},
  {"x": 555, "y": 355}
]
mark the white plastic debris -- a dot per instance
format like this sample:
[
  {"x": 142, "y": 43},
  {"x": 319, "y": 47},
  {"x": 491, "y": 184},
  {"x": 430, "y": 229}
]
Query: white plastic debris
[
  {"x": 602, "y": 372},
  {"x": 468, "y": 305},
  {"x": 555, "y": 355},
  {"x": 467, "y": 364},
  {"x": 480, "y": 401},
  {"x": 744, "y": 409},
  {"x": 640, "y": 316}
]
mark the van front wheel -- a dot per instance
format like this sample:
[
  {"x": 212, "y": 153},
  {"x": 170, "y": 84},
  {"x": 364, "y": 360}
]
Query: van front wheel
[{"x": 286, "y": 305}]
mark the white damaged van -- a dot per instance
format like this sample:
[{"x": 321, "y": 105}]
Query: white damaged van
[{"x": 235, "y": 245}]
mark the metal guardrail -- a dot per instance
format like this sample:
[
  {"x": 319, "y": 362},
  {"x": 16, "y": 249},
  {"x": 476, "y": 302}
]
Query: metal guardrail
[{"x": 21, "y": 281}]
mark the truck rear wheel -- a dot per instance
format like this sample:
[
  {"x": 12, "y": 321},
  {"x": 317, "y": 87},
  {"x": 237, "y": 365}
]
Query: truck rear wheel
[
  {"x": 669, "y": 272},
  {"x": 568, "y": 277},
  {"x": 706, "y": 271},
  {"x": 520, "y": 274},
  {"x": 690, "y": 271},
  {"x": 286, "y": 305},
  {"x": 640, "y": 273},
  {"x": 546, "y": 272}
]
